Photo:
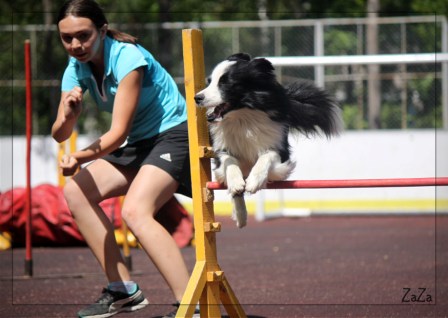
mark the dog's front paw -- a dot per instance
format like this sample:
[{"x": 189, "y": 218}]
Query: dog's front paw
[
  {"x": 236, "y": 186},
  {"x": 255, "y": 182}
]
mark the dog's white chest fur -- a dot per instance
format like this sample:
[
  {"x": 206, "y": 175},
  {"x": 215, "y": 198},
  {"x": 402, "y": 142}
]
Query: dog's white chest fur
[
  {"x": 247, "y": 142},
  {"x": 246, "y": 134}
]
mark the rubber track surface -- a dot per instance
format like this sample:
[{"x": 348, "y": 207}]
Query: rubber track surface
[{"x": 328, "y": 266}]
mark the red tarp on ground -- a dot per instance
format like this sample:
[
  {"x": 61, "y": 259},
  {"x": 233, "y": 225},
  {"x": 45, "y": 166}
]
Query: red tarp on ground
[{"x": 53, "y": 225}]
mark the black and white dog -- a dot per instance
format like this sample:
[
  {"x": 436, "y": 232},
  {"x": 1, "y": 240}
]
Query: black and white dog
[{"x": 250, "y": 116}]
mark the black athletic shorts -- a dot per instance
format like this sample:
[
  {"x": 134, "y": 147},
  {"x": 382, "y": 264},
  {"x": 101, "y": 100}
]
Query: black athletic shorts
[{"x": 168, "y": 150}]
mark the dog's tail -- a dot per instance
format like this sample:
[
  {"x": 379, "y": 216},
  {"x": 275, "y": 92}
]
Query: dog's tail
[
  {"x": 313, "y": 110},
  {"x": 239, "y": 211}
]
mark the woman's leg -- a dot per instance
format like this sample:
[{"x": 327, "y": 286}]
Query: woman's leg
[
  {"x": 150, "y": 190},
  {"x": 98, "y": 181}
]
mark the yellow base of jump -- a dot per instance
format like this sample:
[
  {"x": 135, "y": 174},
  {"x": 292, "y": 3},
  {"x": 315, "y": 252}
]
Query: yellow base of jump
[{"x": 208, "y": 284}]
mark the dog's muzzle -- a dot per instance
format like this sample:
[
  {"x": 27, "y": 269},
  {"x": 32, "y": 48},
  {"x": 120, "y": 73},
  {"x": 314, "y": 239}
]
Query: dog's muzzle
[{"x": 216, "y": 113}]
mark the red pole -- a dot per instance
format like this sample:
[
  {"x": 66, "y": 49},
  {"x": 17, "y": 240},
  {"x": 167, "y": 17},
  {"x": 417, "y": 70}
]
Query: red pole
[
  {"x": 29, "y": 128},
  {"x": 350, "y": 183}
]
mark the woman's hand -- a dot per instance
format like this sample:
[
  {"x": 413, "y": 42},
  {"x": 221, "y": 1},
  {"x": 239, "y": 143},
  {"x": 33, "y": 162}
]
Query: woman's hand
[
  {"x": 69, "y": 165},
  {"x": 73, "y": 103}
]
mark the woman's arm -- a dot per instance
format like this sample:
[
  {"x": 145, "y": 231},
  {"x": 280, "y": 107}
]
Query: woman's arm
[
  {"x": 69, "y": 109},
  {"x": 125, "y": 106}
]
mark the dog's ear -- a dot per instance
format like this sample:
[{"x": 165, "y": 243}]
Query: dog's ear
[
  {"x": 239, "y": 57},
  {"x": 262, "y": 65}
]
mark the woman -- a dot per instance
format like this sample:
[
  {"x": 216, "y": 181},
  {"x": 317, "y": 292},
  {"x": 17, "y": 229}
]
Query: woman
[{"x": 149, "y": 114}]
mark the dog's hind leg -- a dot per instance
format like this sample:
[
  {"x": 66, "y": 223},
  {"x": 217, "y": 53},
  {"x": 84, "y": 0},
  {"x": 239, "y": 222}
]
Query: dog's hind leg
[
  {"x": 239, "y": 211},
  {"x": 281, "y": 170}
]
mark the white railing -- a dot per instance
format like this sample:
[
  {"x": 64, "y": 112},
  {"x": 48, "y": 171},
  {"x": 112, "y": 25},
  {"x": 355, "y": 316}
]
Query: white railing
[
  {"x": 359, "y": 59},
  {"x": 321, "y": 61}
]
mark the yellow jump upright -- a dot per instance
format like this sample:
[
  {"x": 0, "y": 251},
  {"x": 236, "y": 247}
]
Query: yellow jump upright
[{"x": 208, "y": 284}]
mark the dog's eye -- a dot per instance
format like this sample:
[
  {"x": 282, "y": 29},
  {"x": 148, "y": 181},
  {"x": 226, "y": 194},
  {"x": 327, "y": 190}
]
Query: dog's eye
[
  {"x": 224, "y": 79},
  {"x": 208, "y": 80}
]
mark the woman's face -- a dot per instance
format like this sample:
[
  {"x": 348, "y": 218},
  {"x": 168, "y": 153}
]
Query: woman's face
[{"x": 81, "y": 38}]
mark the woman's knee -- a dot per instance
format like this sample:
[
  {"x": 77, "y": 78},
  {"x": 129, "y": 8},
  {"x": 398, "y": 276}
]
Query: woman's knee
[
  {"x": 129, "y": 214},
  {"x": 71, "y": 193},
  {"x": 75, "y": 196},
  {"x": 133, "y": 215}
]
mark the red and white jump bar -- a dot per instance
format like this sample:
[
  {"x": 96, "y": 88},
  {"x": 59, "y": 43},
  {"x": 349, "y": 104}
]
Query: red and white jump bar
[{"x": 349, "y": 183}]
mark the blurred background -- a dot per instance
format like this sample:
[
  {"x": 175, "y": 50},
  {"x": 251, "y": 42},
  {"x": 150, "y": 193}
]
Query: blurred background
[{"x": 381, "y": 101}]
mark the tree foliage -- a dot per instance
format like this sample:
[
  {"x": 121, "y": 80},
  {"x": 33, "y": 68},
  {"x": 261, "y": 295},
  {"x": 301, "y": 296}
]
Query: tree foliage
[
  {"x": 52, "y": 59},
  {"x": 133, "y": 11}
]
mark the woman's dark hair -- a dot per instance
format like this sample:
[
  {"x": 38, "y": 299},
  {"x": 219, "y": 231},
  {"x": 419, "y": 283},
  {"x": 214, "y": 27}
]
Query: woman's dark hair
[{"x": 91, "y": 10}]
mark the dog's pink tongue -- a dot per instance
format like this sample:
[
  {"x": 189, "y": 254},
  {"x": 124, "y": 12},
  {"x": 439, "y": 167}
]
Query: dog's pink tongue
[
  {"x": 211, "y": 117},
  {"x": 215, "y": 115}
]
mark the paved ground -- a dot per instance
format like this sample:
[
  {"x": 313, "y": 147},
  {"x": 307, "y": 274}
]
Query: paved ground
[{"x": 304, "y": 267}]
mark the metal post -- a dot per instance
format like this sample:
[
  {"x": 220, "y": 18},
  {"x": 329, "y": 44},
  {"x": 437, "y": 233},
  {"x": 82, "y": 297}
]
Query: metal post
[
  {"x": 445, "y": 74},
  {"x": 319, "y": 70},
  {"x": 29, "y": 130},
  {"x": 373, "y": 82},
  {"x": 278, "y": 49},
  {"x": 235, "y": 39}
]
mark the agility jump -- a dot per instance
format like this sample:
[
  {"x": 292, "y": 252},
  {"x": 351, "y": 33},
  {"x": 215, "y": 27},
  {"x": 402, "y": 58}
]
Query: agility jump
[{"x": 208, "y": 284}]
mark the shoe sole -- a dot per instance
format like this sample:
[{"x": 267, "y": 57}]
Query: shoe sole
[{"x": 136, "y": 307}]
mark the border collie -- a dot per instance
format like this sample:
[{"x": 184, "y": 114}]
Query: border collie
[{"x": 250, "y": 116}]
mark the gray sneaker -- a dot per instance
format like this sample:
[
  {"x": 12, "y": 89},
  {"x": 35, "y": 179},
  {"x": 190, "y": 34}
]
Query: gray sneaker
[{"x": 111, "y": 303}]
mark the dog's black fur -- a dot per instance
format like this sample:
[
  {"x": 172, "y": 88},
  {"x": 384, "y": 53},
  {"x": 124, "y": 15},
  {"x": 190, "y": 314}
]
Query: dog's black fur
[{"x": 251, "y": 115}]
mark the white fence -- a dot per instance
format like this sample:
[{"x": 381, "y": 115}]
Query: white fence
[{"x": 318, "y": 62}]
